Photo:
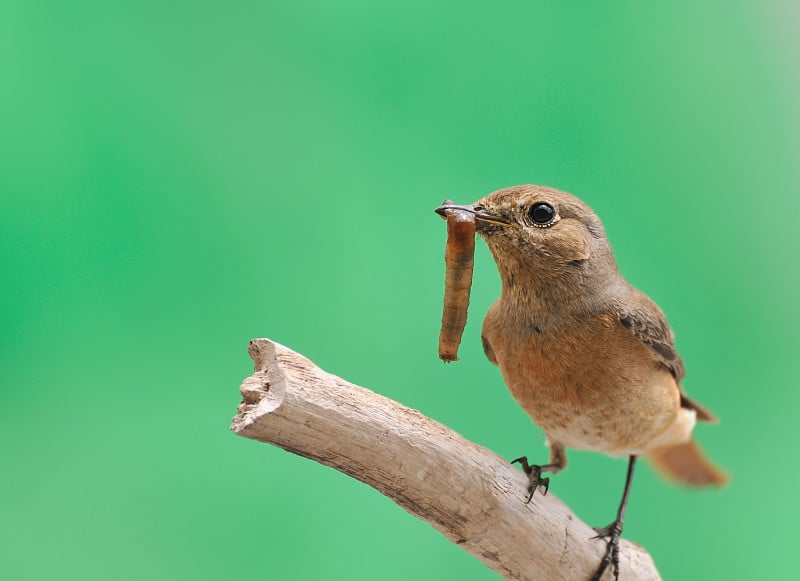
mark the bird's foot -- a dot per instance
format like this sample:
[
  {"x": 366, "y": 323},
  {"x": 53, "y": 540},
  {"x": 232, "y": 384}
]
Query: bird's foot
[
  {"x": 611, "y": 557},
  {"x": 534, "y": 474}
]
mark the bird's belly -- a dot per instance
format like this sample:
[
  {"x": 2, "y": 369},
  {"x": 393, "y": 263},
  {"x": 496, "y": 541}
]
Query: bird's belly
[
  {"x": 612, "y": 424},
  {"x": 585, "y": 433}
]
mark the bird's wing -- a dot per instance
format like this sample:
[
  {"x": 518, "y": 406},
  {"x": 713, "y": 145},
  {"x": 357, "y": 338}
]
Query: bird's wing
[
  {"x": 648, "y": 323},
  {"x": 650, "y": 326}
]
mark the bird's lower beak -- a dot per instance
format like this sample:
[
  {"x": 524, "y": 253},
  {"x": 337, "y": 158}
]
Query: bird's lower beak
[{"x": 477, "y": 210}]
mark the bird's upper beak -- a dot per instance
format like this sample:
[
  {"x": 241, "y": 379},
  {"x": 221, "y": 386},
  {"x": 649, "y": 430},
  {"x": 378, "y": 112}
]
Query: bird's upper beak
[{"x": 480, "y": 213}]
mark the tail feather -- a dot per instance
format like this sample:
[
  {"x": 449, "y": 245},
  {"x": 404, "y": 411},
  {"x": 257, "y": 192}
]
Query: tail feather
[{"x": 686, "y": 463}]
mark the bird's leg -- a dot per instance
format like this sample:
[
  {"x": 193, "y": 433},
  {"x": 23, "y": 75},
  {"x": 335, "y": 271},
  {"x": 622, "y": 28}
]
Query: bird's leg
[
  {"x": 558, "y": 461},
  {"x": 613, "y": 531}
]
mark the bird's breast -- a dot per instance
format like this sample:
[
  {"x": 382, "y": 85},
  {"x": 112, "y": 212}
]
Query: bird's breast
[{"x": 588, "y": 383}]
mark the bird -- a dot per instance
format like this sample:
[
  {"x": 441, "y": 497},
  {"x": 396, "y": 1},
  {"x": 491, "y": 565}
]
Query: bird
[{"x": 590, "y": 358}]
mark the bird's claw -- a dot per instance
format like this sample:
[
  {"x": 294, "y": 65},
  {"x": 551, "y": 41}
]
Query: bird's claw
[
  {"x": 611, "y": 532},
  {"x": 534, "y": 474}
]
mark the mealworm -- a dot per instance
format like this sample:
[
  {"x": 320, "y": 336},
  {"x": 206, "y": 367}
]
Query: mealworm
[{"x": 459, "y": 259}]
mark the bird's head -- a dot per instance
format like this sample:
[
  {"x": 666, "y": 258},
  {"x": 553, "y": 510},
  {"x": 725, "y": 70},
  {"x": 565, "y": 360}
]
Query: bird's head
[{"x": 539, "y": 234}]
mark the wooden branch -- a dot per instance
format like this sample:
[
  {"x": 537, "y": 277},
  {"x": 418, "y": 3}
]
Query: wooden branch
[{"x": 469, "y": 494}]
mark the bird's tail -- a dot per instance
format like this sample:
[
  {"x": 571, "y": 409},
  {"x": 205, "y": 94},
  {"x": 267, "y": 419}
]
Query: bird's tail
[{"x": 686, "y": 463}]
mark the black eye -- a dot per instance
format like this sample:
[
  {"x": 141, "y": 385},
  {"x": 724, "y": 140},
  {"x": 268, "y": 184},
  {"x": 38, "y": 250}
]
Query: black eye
[{"x": 541, "y": 213}]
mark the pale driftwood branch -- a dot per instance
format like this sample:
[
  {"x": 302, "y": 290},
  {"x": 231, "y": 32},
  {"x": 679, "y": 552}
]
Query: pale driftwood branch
[{"x": 469, "y": 494}]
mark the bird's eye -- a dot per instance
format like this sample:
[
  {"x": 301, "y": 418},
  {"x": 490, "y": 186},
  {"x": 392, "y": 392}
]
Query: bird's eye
[{"x": 541, "y": 214}]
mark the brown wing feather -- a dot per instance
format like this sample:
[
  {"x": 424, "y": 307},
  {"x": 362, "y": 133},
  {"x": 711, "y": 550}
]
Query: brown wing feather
[
  {"x": 487, "y": 348},
  {"x": 650, "y": 326}
]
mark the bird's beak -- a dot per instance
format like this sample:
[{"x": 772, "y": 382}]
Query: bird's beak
[{"x": 477, "y": 210}]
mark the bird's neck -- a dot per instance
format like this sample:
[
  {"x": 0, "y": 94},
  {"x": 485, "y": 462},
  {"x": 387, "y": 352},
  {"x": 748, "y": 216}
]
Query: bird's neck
[{"x": 557, "y": 292}]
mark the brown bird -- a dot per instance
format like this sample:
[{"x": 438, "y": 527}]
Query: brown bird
[{"x": 590, "y": 358}]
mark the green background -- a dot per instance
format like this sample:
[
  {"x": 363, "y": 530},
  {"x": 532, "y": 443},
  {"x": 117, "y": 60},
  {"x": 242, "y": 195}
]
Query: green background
[{"x": 179, "y": 177}]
